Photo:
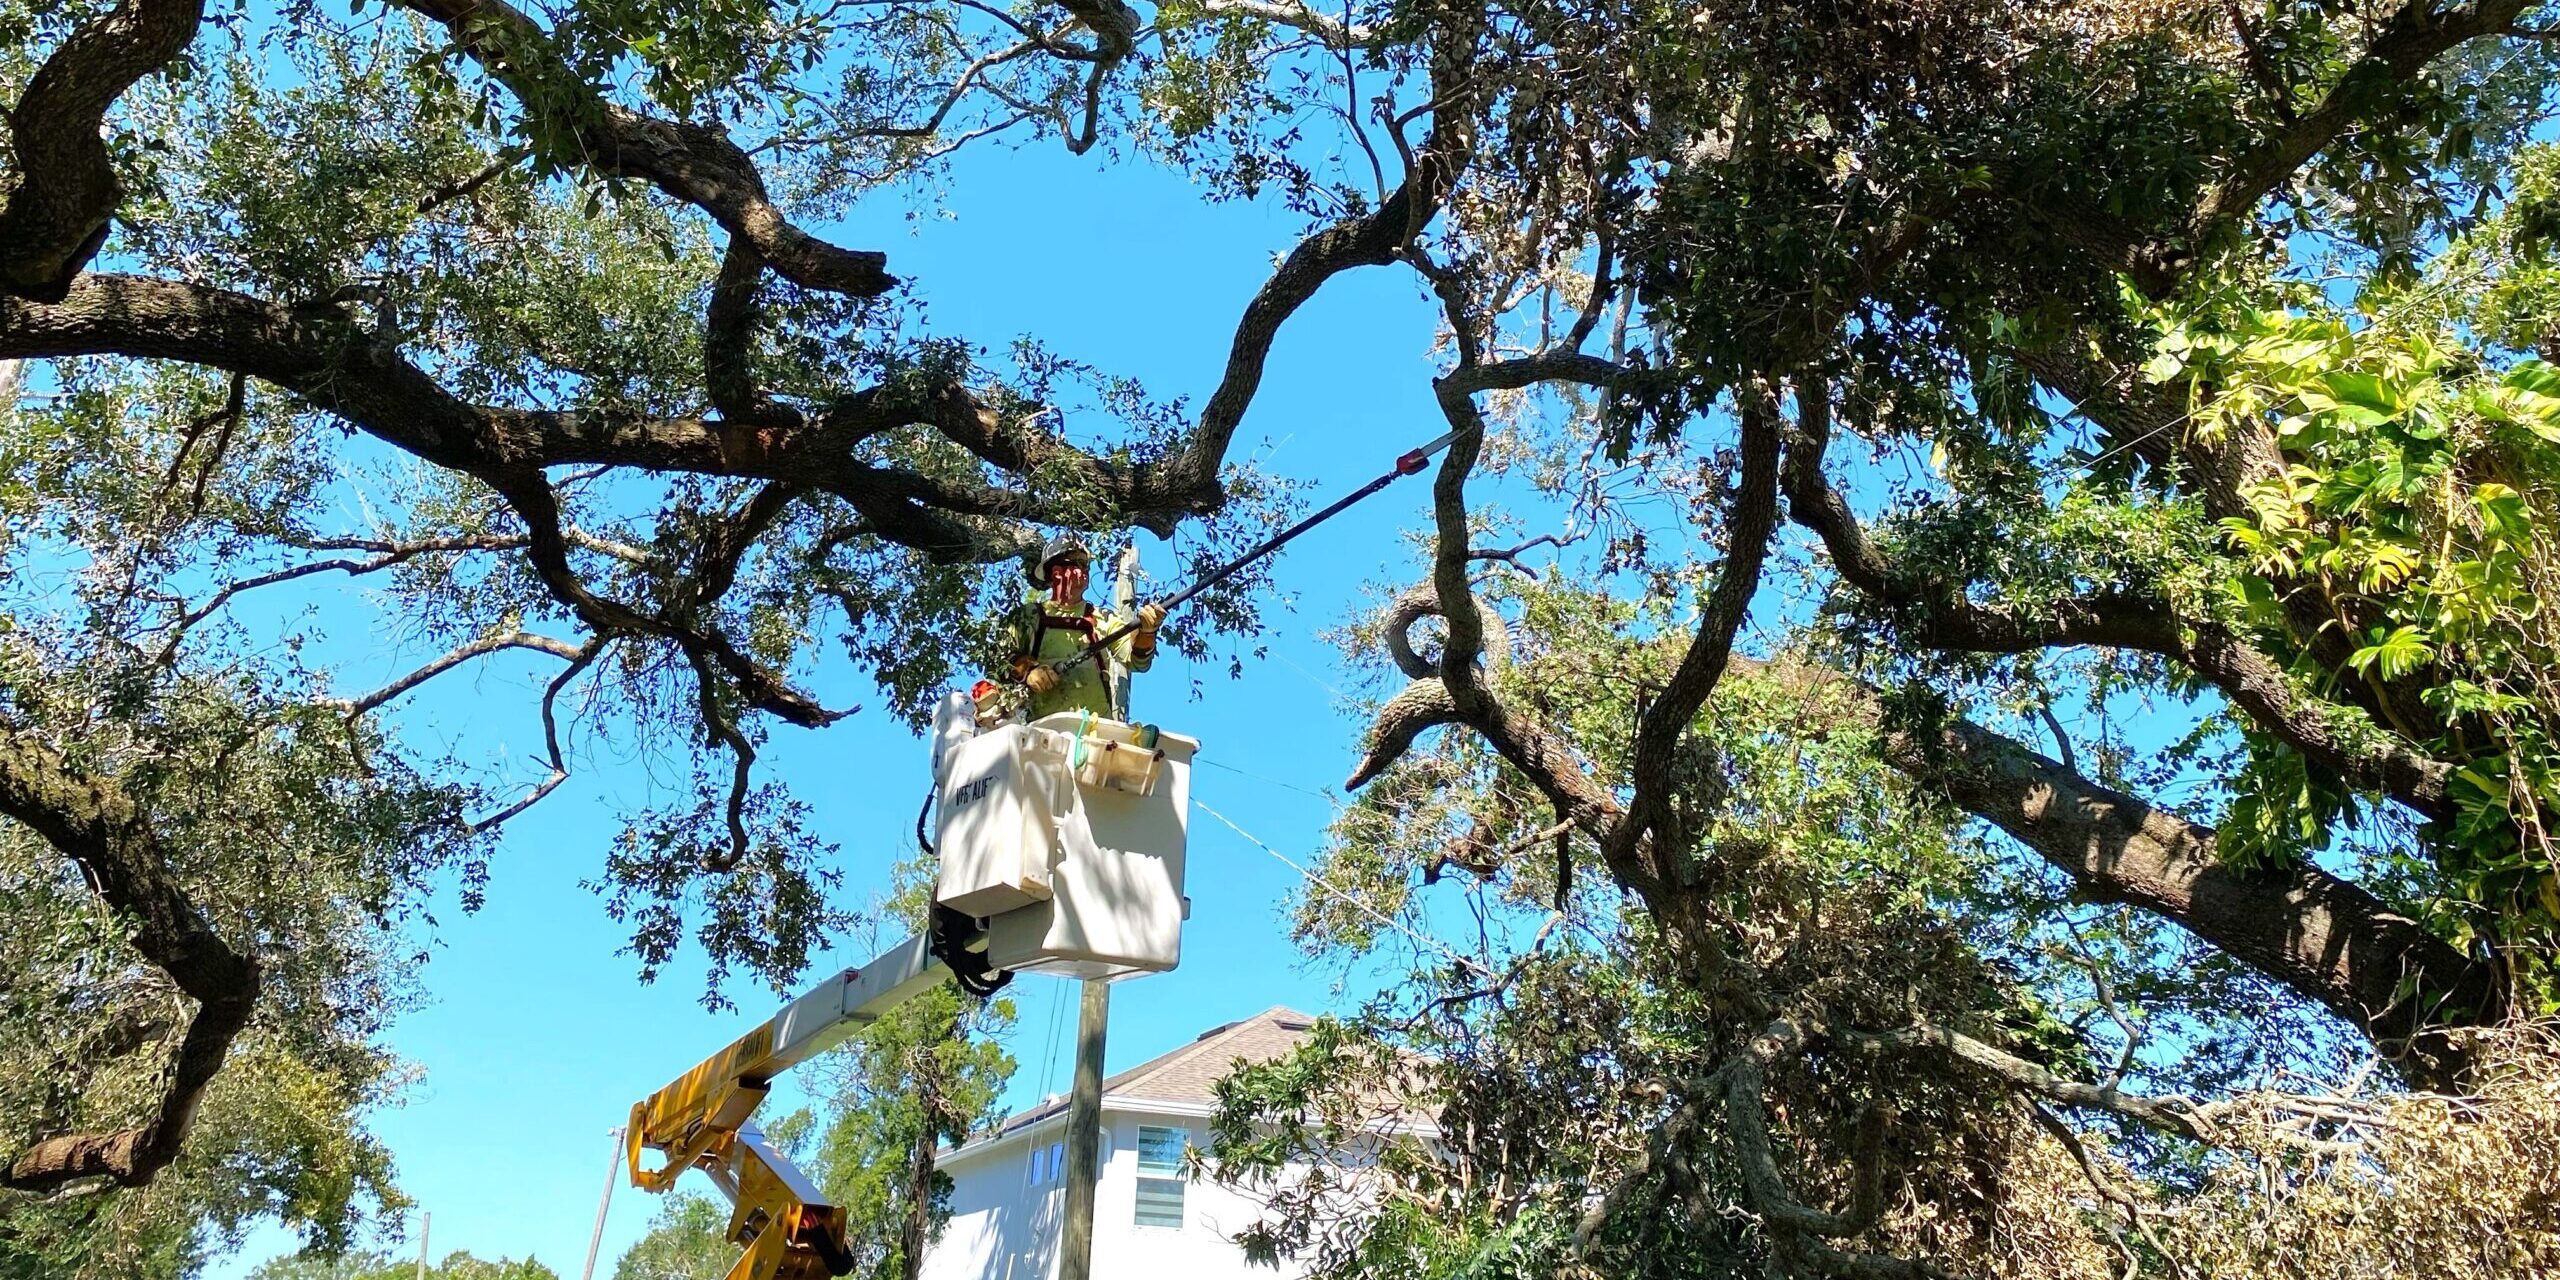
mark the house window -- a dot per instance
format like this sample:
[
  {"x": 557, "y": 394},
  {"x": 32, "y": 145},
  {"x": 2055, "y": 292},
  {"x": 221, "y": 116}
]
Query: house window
[
  {"x": 1160, "y": 1177},
  {"x": 1049, "y": 1164}
]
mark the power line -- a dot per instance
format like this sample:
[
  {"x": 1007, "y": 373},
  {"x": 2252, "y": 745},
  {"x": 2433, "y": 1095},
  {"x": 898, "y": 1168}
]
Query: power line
[
  {"x": 1337, "y": 891},
  {"x": 1326, "y": 796}
]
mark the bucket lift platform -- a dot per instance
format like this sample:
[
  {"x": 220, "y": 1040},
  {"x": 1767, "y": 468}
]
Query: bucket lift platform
[
  {"x": 1060, "y": 840},
  {"x": 1065, "y": 836}
]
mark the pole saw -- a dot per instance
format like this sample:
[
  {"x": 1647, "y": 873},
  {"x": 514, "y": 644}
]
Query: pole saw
[{"x": 1410, "y": 463}]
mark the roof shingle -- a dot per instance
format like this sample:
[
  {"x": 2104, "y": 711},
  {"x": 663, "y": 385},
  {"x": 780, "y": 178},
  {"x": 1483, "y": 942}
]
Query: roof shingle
[{"x": 1186, "y": 1075}]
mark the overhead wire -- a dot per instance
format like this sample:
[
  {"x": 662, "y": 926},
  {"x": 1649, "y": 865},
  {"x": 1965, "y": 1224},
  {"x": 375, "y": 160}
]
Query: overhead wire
[
  {"x": 1328, "y": 797},
  {"x": 1346, "y": 896}
]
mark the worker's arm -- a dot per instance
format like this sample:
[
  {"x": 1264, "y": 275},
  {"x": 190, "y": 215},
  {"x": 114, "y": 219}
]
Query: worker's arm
[
  {"x": 1022, "y": 664},
  {"x": 1137, "y": 650}
]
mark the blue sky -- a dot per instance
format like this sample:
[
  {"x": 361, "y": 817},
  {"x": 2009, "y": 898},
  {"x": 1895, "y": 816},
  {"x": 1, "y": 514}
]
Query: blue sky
[{"x": 537, "y": 1036}]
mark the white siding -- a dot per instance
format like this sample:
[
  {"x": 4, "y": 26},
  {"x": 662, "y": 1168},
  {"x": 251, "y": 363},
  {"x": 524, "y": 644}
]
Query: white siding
[{"x": 1001, "y": 1228}]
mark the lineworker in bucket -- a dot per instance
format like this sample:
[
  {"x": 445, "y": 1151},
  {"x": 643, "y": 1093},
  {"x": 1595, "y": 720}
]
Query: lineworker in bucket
[{"x": 1057, "y": 622}]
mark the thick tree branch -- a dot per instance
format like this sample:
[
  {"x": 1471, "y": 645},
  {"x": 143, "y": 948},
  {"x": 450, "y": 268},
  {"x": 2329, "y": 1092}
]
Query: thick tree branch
[
  {"x": 1374, "y": 239},
  {"x": 728, "y": 342},
  {"x": 1559, "y": 365},
  {"x": 1944, "y": 615},
  {"x": 2150, "y": 423},
  {"x": 2325, "y": 938},
  {"x": 2319, "y": 935},
  {"x": 2404, "y": 43},
  {"x": 95, "y": 824},
  {"x": 548, "y": 550},
  {"x": 1333, "y": 32},
  {"x": 1749, "y": 521},
  {"x": 323, "y": 356},
  {"x": 1747, "y": 1120},
  {"x": 694, "y": 163},
  {"x": 67, "y": 193},
  {"x": 1115, "y": 28}
]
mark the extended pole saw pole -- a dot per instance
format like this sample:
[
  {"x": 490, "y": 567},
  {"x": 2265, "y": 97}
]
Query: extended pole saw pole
[{"x": 1410, "y": 464}]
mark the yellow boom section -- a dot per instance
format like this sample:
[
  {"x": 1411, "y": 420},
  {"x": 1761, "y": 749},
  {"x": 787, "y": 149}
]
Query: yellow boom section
[
  {"x": 703, "y": 1119},
  {"x": 691, "y": 1117}
]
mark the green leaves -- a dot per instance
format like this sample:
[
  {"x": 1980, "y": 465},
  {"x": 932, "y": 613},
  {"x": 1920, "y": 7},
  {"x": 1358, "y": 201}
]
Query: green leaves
[
  {"x": 2504, "y": 514},
  {"x": 2391, "y": 656},
  {"x": 2527, "y": 397},
  {"x": 2362, "y": 399},
  {"x": 2413, "y": 522}
]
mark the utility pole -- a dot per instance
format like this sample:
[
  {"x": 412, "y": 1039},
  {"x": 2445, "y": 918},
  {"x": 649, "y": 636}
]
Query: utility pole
[
  {"x": 1124, "y": 602},
  {"x": 426, "y": 1223},
  {"x": 1084, "y": 1133},
  {"x": 612, "y": 1175}
]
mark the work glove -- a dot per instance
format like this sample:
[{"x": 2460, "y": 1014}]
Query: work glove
[
  {"x": 1042, "y": 678},
  {"x": 1143, "y": 643}
]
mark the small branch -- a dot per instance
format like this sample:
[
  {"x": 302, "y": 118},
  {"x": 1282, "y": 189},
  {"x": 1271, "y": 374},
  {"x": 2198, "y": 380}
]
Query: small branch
[
  {"x": 464, "y": 653},
  {"x": 2061, "y": 740},
  {"x": 2108, "y": 1191},
  {"x": 2177, "y": 1115},
  {"x": 452, "y": 191},
  {"x": 528, "y": 800},
  {"x": 234, "y": 403},
  {"x": 579, "y": 661},
  {"x": 396, "y": 553}
]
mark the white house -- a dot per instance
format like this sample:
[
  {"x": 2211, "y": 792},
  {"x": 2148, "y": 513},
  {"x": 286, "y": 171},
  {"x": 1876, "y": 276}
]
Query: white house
[{"x": 1008, "y": 1197}]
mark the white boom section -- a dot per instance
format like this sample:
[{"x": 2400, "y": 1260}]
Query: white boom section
[
  {"x": 701, "y": 1109},
  {"x": 822, "y": 1018}
]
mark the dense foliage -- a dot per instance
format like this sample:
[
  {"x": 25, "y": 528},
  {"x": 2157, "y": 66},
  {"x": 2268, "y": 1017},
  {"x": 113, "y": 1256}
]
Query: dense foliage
[
  {"x": 2162, "y": 383},
  {"x": 367, "y": 1266}
]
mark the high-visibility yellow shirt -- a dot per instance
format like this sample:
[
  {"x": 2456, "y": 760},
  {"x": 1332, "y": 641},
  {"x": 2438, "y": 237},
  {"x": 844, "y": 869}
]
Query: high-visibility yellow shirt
[{"x": 1042, "y": 630}]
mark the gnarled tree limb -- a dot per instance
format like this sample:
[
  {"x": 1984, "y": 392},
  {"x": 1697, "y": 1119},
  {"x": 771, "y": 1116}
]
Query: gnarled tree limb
[
  {"x": 1941, "y": 615},
  {"x": 694, "y": 163},
  {"x": 94, "y": 823},
  {"x": 66, "y": 195},
  {"x": 2325, "y": 938}
]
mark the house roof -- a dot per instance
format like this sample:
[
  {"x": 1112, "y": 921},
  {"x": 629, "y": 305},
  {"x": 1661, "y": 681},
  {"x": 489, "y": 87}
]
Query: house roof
[{"x": 1186, "y": 1075}]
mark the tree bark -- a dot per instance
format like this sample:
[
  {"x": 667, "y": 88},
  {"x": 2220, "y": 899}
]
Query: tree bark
[
  {"x": 2321, "y": 936},
  {"x": 67, "y": 193},
  {"x": 95, "y": 824}
]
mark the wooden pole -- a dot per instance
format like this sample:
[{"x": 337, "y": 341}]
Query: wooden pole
[
  {"x": 426, "y": 1223},
  {"x": 1084, "y": 1133}
]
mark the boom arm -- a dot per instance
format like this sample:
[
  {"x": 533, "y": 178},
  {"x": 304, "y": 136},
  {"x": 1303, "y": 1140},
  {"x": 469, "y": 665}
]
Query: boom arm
[{"x": 702, "y": 1118}]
